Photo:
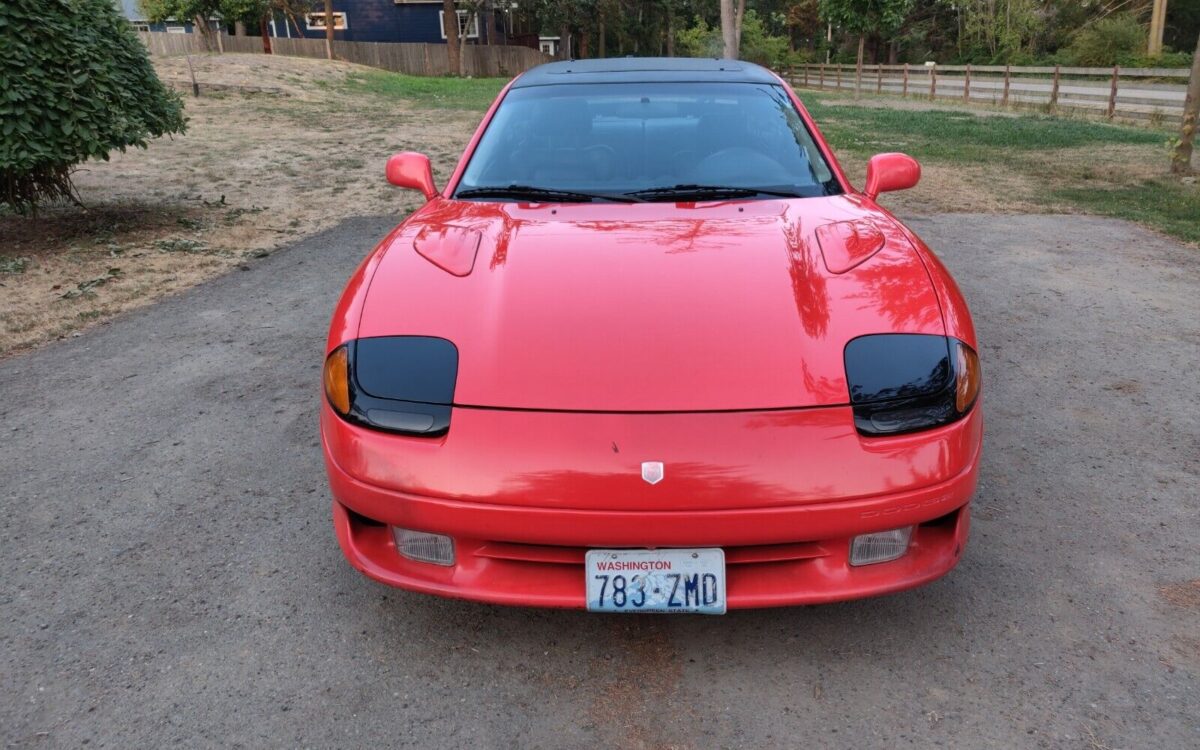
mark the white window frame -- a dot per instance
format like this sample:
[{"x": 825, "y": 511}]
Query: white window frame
[
  {"x": 462, "y": 25},
  {"x": 340, "y": 22},
  {"x": 173, "y": 28}
]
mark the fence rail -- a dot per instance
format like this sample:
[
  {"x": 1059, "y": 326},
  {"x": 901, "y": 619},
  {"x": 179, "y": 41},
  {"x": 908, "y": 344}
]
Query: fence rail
[
  {"x": 1155, "y": 94},
  {"x": 479, "y": 60}
]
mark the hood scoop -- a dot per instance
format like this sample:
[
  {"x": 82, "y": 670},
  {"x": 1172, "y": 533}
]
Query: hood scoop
[
  {"x": 448, "y": 247},
  {"x": 846, "y": 244}
]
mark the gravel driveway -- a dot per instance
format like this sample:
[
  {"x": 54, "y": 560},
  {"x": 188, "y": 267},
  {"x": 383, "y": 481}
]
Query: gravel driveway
[{"x": 170, "y": 573}]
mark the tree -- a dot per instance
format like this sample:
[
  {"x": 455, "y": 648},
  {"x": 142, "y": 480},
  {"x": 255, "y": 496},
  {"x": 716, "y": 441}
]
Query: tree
[
  {"x": 864, "y": 17},
  {"x": 450, "y": 26},
  {"x": 731, "y": 27},
  {"x": 1181, "y": 160},
  {"x": 330, "y": 28},
  {"x": 199, "y": 11},
  {"x": 75, "y": 84}
]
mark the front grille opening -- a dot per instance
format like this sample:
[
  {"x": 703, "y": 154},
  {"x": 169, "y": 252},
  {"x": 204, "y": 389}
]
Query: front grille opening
[
  {"x": 941, "y": 522},
  {"x": 361, "y": 520}
]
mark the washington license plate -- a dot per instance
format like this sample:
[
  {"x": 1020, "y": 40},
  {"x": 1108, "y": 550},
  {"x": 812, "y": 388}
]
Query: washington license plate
[{"x": 656, "y": 580}]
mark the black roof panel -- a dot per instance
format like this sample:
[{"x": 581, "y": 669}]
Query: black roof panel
[{"x": 644, "y": 70}]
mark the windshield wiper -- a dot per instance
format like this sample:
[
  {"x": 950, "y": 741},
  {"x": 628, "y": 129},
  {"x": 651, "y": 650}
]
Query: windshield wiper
[
  {"x": 708, "y": 192},
  {"x": 539, "y": 193}
]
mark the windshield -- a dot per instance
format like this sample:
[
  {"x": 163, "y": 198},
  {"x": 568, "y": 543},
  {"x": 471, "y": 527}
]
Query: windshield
[{"x": 646, "y": 141}]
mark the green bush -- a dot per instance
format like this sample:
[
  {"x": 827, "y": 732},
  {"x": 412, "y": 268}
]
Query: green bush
[
  {"x": 1107, "y": 41},
  {"x": 757, "y": 46},
  {"x": 75, "y": 83}
]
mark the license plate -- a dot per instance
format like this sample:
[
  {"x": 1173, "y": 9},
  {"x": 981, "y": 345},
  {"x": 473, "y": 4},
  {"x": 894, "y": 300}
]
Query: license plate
[{"x": 656, "y": 580}]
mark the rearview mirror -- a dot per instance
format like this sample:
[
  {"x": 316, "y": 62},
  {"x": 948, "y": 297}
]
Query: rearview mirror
[
  {"x": 893, "y": 171},
  {"x": 408, "y": 169}
]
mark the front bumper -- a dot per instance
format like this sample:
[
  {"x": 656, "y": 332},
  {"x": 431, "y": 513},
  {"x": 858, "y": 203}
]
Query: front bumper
[{"x": 776, "y": 555}]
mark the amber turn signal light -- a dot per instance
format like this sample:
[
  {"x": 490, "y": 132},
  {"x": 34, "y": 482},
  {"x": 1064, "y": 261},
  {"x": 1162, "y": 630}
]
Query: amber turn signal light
[
  {"x": 337, "y": 380},
  {"x": 968, "y": 377}
]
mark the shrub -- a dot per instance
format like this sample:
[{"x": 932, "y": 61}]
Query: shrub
[
  {"x": 1107, "y": 41},
  {"x": 757, "y": 45},
  {"x": 75, "y": 83}
]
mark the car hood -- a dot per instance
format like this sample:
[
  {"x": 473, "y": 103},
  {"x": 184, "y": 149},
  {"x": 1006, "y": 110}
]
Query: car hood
[{"x": 650, "y": 307}]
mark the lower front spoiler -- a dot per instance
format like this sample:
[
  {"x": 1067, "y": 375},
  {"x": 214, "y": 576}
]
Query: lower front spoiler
[{"x": 534, "y": 556}]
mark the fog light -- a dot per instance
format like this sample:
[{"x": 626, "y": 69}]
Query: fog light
[
  {"x": 423, "y": 547},
  {"x": 879, "y": 547}
]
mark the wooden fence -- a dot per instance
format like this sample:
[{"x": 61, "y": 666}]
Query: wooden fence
[
  {"x": 1155, "y": 94},
  {"x": 479, "y": 60}
]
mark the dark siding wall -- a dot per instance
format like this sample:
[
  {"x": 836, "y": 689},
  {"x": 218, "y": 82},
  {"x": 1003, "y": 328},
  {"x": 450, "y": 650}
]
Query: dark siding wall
[{"x": 387, "y": 21}]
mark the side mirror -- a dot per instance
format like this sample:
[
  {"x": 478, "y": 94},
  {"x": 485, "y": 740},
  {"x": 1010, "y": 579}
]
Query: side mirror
[
  {"x": 409, "y": 169},
  {"x": 891, "y": 172}
]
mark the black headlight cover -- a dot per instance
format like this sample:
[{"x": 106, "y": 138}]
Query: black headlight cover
[
  {"x": 901, "y": 382},
  {"x": 402, "y": 384}
]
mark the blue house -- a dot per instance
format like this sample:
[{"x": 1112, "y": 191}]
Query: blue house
[
  {"x": 397, "y": 21},
  {"x": 370, "y": 21}
]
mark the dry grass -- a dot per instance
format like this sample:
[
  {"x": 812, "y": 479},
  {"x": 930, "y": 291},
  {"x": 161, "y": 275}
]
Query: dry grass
[
  {"x": 276, "y": 149},
  {"x": 279, "y": 148}
]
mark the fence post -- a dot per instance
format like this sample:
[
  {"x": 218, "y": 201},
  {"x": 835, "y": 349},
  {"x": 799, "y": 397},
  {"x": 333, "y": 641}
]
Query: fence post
[
  {"x": 821, "y": 81},
  {"x": 426, "y": 60},
  {"x": 805, "y": 75},
  {"x": 1054, "y": 88},
  {"x": 1007, "y": 81},
  {"x": 967, "y": 85},
  {"x": 932, "y": 82},
  {"x": 858, "y": 78},
  {"x": 879, "y": 78},
  {"x": 1112, "y": 94},
  {"x": 904, "y": 91},
  {"x": 839, "y": 76}
]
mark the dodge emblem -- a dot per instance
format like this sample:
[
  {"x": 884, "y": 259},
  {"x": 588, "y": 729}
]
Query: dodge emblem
[{"x": 652, "y": 471}]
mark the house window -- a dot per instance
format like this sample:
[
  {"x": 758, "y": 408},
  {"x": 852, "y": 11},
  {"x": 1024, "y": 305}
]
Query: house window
[
  {"x": 175, "y": 28},
  {"x": 463, "y": 31},
  {"x": 316, "y": 21},
  {"x": 140, "y": 26}
]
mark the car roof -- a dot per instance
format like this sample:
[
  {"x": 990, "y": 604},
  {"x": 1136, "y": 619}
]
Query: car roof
[{"x": 644, "y": 70}]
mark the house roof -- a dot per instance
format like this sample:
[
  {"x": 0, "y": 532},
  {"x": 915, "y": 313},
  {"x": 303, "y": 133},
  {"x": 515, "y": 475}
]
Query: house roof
[{"x": 645, "y": 70}]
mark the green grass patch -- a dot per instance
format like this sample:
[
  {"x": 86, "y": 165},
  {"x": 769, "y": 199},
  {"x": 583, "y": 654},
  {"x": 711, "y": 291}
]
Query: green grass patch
[
  {"x": 426, "y": 91},
  {"x": 1171, "y": 207},
  {"x": 961, "y": 136},
  {"x": 1091, "y": 175}
]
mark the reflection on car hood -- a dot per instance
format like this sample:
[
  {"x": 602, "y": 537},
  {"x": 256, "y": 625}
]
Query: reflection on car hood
[{"x": 649, "y": 307}]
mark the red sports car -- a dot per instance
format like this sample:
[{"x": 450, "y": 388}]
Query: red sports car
[{"x": 650, "y": 351}]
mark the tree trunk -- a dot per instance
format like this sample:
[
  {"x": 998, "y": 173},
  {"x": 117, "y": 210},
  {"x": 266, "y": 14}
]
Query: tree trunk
[
  {"x": 266, "y": 37},
  {"x": 205, "y": 32},
  {"x": 893, "y": 52},
  {"x": 329, "y": 24},
  {"x": 450, "y": 26},
  {"x": 492, "y": 31},
  {"x": 564, "y": 42},
  {"x": 1181, "y": 161},
  {"x": 239, "y": 28},
  {"x": 728, "y": 33},
  {"x": 862, "y": 43},
  {"x": 583, "y": 43},
  {"x": 670, "y": 31},
  {"x": 462, "y": 42},
  {"x": 737, "y": 27},
  {"x": 600, "y": 41}
]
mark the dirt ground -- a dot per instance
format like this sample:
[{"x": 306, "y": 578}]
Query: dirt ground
[{"x": 274, "y": 151}]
